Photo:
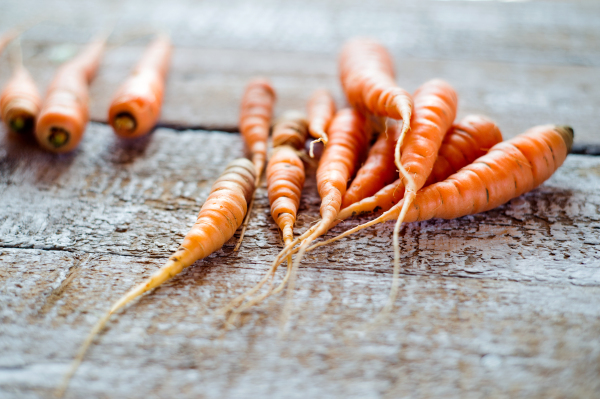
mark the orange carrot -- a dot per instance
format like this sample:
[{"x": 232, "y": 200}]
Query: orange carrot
[
  {"x": 285, "y": 179},
  {"x": 466, "y": 141},
  {"x": 64, "y": 113},
  {"x": 321, "y": 109},
  {"x": 510, "y": 168},
  {"x": 291, "y": 130},
  {"x": 255, "y": 119},
  {"x": 348, "y": 138},
  {"x": 367, "y": 75},
  {"x": 377, "y": 171},
  {"x": 219, "y": 218},
  {"x": 135, "y": 108},
  {"x": 20, "y": 100}
]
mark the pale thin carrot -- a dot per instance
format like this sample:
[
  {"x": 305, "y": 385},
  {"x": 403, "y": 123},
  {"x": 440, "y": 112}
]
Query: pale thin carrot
[
  {"x": 219, "y": 218},
  {"x": 255, "y": 122}
]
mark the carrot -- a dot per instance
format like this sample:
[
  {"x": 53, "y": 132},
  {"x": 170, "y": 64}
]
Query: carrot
[
  {"x": 135, "y": 108},
  {"x": 219, "y": 218},
  {"x": 466, "y": 141},
  {"x": 377, "y": 171},
  {"x": 255, "y": 119},
  {"x": 20, "y": 100},
  {"x": 64, "y": 112},
  {"x": 367, "y": 75},
  {"x": 285, "y": 179},
  {"x": 321, "y": 109},
  {"x": 510, "y": 169},
  {"x": 348, "y": 138}
]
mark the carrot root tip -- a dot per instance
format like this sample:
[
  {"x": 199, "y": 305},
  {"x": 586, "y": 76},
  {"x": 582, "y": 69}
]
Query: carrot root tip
[
  {"x": 125, "y": 123},
  {"x": 58, "y": 137}
]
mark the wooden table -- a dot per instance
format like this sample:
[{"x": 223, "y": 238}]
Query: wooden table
[{"x": 500, "y": 304}]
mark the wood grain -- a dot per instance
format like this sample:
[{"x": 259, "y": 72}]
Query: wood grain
[{"x": 501, "y": 304}]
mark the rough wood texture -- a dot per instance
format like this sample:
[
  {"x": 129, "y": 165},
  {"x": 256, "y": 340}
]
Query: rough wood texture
[
  {"x": 501, "y": 304},
  {"x": 521, "y": 63}
]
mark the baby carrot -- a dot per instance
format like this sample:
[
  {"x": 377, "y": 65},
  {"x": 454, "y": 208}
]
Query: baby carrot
[
  {"x": 321, "y": 109},
  {"x": 64, "y": 114},
  {"x": 285, "y": 179},
  {"x": 377, "y": 171},
  {"x": 255, "y": 120},
  {"x": 20, "y": 100},
  {"x": 466, "y": 141},
  {"x": 219, "y": 218},
  {"x": 135, "y": 108},
  {"x": 510, "y": 169},
  {"x": 367, "y": 74}
]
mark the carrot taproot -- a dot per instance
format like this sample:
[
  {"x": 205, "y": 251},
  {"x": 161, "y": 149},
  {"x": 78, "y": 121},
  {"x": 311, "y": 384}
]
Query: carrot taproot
[
  {"x": 255, "y": 121},
  {"x": 136, "y": 106},
  {"x": 377, "y": 171},
  {"x": 320, "y": 109},
  {"x": 20, "y": 100},
  {"x": 64, "y": 114},
  {"x": 367, "y": 75},
  {"x": 510, "y": 169},
  {"x": 285, "y": 179},
  {"x": 466, "y": 141},
  {"x": 218, "y": 219}
]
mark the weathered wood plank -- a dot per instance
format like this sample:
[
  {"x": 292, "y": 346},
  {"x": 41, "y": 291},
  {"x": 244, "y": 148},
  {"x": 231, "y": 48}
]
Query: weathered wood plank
[
  {"x": 505, "y": 303},
  {"x": 449, "y": 337}
]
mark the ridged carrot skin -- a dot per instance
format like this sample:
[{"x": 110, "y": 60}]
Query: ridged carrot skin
[
  {"x": 255, "y": 120},
  {"x": 20, "y": 103},
  {"x": 136, "y": 106},
  {"x": 291, "y": 129},
  {"x": 435, "y": 108},
  {"x": 321, "y": 109},
  {"x": 285, "y": 179},
  {"x": 466, "y": 141},
  {"x": 367, "y": 76},
  {"x": 508, "y": 170},
  {"x": 64, "y": 114},
  {"x": 220, "y": 216},
  {"x": 377, "y": 171}
]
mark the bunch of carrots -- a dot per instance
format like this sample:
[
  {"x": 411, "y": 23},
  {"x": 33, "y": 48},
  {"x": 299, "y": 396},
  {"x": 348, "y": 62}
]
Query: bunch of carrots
[
  {"x": 58, "y": 121},
  {"x": 391, "y": 154}
]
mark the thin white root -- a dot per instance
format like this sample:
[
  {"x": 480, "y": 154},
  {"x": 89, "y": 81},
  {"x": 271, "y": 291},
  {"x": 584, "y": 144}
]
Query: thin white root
[
  {"x": 312, "y": 146},
  {"x": 245, "y": 224}
]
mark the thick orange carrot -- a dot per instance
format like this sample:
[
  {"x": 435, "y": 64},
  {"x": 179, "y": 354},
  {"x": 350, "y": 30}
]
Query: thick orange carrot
[
  {"x": 20, "y": 100},
  {"x": 367, "y": 75},
  {"x": 64, "y": 113},
  {"x": 377, "y": 171},
  {"x": 255, "y": 120},
  {"x": 321, "y": 109},
  {"x": 466, "y": 141},
  {"x": 219, "y": 218},
  {"x": 285, "y": 179},
  {"x": 510, "y": 168},
  {"x": 136, "y": 106}
]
